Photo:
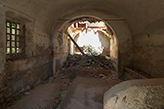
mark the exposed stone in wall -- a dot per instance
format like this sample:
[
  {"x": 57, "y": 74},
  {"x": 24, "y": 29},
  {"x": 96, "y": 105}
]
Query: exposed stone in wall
[
  {"x": 60, "y": 51},
  {"x": 18, "y": 82},
  {"x": 136, "y": 94},
  {"x": 2, "y": 38},
  {"x": 21, "y": 74}
]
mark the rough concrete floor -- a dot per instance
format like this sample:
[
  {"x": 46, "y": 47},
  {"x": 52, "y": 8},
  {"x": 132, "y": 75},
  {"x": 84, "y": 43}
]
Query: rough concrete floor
[
  {"x": 85, "y": 92},
  {"x": 43, "y": 95}
]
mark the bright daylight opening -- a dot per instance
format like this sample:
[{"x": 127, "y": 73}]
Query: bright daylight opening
[{"x": 89, "y": 35}]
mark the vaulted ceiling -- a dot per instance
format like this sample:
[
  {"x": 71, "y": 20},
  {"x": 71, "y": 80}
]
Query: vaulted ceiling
[{"x": 137, "y": 13}]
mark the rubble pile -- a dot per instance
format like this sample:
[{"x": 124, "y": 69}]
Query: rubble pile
[{"x": 88, "y": 61}]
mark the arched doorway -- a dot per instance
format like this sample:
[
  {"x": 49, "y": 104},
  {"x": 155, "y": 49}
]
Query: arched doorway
[
  {"x": 61, "y": 39},
  {"x": 93, "y": 34}
]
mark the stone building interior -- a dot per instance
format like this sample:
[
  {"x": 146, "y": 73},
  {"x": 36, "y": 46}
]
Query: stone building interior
[{"x": 38, "y": 36}]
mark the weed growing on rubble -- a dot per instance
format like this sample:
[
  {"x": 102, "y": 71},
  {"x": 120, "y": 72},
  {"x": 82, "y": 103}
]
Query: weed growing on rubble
[
  {"x": 72, "y": 76},
  {"x": 58, "y": 102},
  {"x": 91, "y": 51},
  {"x": 32, "y": 87},
  {"x": 18, "y": 97},
  {"x": 46, "y": 79},
  {"x": 39, "y": 106},
  {"x": 74, "y": 54}
]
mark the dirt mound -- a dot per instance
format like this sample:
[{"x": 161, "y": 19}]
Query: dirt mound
[
  {"x": 87, "y": 66},
  {"x": 88, "y": 61}
]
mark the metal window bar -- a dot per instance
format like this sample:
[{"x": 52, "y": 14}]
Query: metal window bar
[{"x": 13, "y": 44}]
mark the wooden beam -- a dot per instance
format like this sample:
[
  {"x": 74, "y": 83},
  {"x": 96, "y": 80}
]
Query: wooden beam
[{"x": 76, "y": 44}]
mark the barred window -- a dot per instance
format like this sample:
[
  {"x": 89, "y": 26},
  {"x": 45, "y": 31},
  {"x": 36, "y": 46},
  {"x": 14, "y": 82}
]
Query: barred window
[{"x": 14, "y": 37}]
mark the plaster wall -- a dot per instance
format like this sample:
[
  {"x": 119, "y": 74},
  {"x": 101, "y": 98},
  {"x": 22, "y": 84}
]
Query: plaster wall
[
  {"x": 149, "y": 50},
  {"x": 105, "y": 43},
  {"x": 138, "y": 30},
  {"x": 114, "y": 51},
  {"x": 113, "y": 47},
  {"x": 20, "y": 75},
  {"x": 60, "y": 51}
]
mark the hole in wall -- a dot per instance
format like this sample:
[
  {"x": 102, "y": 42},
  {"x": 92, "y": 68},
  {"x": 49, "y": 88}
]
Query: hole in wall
[
  {"x": 79, "y": 26},
  {"x": 90, "y": 34}
]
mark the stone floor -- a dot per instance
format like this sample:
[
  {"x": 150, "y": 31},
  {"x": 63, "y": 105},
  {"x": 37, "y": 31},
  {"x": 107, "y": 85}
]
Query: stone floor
[
  {"x": 83, "y": 93},
  {"x": 87, "y": 93},
  {"x": 42, "y": 95}
]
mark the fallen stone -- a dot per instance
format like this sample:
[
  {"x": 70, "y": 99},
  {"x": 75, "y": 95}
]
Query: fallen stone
[
  {"x": 28, "y": 88},
  {"x": 22, "y": 90},
  {"x": 105, "y": 77},
  {"x": 27, "y": 93},
  {"x": 114, "y": 78},
  {"x": 102, "y": 76}
]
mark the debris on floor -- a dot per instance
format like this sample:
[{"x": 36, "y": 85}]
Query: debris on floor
[
  {"x": 88, "y": 66},
  {"x": 102, "y": 76},
  {"x": 27, "y": 93},
  {"x": 88, "y": 61},
  {"x": 94, "y": 72},
  {"x": 64, "y": 87}
]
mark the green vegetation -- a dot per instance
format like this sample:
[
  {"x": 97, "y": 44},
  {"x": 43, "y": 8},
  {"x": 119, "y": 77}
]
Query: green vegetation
[
  {"x": 39, "y": 106},
  {"x": 46, "y": 79},
  {"x": 58, "y": 102},
  {"x": 74, "y": 54},
  {"x": 18, "y": 97},
  {"x": 32, "y": 87},
  {"x": 89, "y": 50},
  {"x": 108, "y": 38},
  {"x": 13, "y": 25},
  {"x": 72, "y": 76},
  {"x": 8, "y": 50}
]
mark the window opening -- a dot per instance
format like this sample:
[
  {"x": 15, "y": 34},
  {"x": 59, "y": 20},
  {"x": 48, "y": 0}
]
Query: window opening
[{"x": 14, "y": 37}]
